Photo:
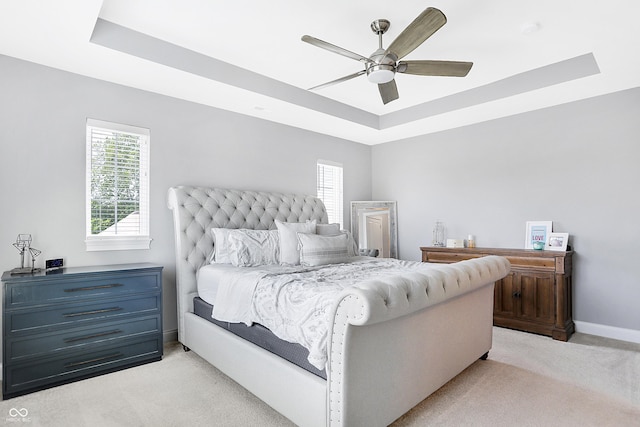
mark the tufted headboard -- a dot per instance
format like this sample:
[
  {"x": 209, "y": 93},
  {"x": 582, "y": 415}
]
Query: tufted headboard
[{"x": 198, "y": 209}]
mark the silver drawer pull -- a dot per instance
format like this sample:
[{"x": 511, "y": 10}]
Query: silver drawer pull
[
  {"x": 86, "y": 313},
  {"x": 93, "y": 288},
  {"x": 88, "y": 337},
  {"x": 97, "y": 359}
]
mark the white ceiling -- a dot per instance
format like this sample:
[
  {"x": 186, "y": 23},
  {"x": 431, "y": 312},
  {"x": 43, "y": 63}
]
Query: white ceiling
[{"x": 247, "y": 56}]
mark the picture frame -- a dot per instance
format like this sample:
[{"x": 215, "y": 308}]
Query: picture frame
[
  {"x": 537, "y": 231},
  {"x": 557, "y": 242}
]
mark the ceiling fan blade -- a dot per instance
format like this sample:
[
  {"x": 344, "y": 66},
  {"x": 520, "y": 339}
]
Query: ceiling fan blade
[
  {"x": 335, "y": 49},
  {"x": 427, "y": 23},
  {"x": 435, "y": 68},
  {"x": 388, "y": 91},
  {"x": 340, "y": 80}
]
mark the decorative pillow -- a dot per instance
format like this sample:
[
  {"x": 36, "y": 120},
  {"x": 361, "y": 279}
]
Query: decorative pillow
[
  {"x": 352, "y": 246},
  {"x": 333, "y": 230},
  {"x": 289, "y": 254},
  {"x": 220, "y": 253},
  {"x": 328, "y": 229},
  {"x": 249, "y": 248},
  {"x": 321, "y": 250}
]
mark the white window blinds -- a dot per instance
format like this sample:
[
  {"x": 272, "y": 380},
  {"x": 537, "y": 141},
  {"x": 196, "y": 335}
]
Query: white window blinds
[
  {"x": 117, "y": 186},
  {"x": 329, "y": 185}
]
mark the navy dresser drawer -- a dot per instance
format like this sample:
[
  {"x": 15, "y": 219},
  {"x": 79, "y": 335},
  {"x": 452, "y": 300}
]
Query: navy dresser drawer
[
  {"x": 57, "y": 289},
  {"x": 69, "y": 339},
  {"x": 39, "y": 374},
  {"x": 75, "y": 314},
  {"x": 77, "y": 323}
]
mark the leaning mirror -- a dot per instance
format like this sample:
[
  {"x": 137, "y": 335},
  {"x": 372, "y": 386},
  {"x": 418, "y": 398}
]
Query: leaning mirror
[{"x": 374, "y": 225}]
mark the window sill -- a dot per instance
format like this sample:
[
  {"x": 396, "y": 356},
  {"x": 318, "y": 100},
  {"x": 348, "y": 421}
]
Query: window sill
[{"x": 119, "y": 243}]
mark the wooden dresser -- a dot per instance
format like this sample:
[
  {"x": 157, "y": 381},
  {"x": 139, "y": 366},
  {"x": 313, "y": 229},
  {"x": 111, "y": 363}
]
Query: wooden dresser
[
  {"x": 75, "y": 323},
  {"x": 536, "y": 296}
]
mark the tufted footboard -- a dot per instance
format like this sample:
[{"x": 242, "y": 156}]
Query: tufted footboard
[{"x": 395, "y": 341}]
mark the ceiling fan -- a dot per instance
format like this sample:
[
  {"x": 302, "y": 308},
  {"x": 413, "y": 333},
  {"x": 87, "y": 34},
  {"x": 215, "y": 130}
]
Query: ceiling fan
[{"x": 383, "y": 64}]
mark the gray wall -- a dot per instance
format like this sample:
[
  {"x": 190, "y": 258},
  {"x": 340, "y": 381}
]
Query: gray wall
[
  {"x": 575, "y": 164},
  {"x": 42, "y": 161}
]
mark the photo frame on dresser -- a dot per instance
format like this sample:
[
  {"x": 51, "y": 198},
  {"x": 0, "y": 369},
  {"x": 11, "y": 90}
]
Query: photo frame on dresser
[
  {"x": 537, "y": 231},
  {"x": 557, "y": 242}
]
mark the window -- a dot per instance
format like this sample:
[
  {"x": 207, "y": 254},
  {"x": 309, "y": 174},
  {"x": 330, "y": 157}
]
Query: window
[
  {"x": 117, "y": 209},
  {"x": 330, "y": 189}
]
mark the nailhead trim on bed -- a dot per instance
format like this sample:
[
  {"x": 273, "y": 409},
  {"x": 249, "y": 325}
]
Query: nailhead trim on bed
[{"x": 381, "y": 299}]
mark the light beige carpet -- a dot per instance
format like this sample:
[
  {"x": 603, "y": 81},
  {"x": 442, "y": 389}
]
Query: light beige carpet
[{"x": 528, "y": 380}]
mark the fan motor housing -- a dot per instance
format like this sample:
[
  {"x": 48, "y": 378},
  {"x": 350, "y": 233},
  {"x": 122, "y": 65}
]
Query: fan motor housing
[
  {"x": 379, "y": 57},
  {"x": 383, "y": 67}
]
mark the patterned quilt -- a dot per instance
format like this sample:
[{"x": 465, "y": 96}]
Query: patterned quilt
[{"x": 296, "y": 302}]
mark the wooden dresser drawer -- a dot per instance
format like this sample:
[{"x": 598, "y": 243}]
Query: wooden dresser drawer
[
  {"x": 70, "y": 339},
  {"x": 447, "y": 258},
  {"x": 60, "y": 290},
  {"x": 532, "y": 262}
]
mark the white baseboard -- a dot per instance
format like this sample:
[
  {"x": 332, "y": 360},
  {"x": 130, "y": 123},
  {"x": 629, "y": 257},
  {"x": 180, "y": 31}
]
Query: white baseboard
[
  {"x": 622, "y": 334},
  {"x": 170, "y": 336}
]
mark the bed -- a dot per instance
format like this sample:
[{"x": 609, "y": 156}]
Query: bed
[{"x": 390, "y": 341}]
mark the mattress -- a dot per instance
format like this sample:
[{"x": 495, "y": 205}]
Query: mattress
[
  {"x": 209, "y": 276},
  {"x": 262, "y": 337},
  {"x": 208, "y": 279}
]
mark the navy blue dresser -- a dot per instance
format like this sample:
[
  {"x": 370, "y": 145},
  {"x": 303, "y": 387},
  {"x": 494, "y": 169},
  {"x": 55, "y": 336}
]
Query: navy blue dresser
[{"x": 75, "y": 323}]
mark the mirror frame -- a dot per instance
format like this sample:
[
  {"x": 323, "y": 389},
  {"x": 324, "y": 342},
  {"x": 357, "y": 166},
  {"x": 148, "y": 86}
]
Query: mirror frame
[{"x": 393, "y": 221}]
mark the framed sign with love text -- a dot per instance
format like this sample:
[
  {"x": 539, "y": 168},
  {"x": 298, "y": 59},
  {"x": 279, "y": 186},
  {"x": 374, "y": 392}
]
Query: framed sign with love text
[{"x": 537, "y": 231}]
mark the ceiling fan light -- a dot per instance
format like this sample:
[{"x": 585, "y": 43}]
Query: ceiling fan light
[
  {"x": 380, "y": 73},
  {"x": 380, "y": 76}
]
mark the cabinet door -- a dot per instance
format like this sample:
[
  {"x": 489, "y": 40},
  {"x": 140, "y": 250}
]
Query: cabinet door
[
  {"x": 525, "y": 295},
  {"x": 537, "y": 297},
  {"x": 504, "y": 301}
]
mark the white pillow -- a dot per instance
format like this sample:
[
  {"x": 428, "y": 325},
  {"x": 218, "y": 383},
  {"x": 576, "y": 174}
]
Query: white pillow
[
  {"x": 352, "y": 246},
  {"x": 220, "y": 253},
  {"x": 334, "y": 229},
  {"x": 250, "y": 248},
  {"x": 289, "y": 254},
  {"x": 328, "y": 229},
  {"x": 321, "y": 250}
]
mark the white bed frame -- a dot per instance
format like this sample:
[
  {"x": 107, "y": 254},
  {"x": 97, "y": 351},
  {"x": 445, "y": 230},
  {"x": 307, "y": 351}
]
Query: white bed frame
[{"x": 389, "y": 347}]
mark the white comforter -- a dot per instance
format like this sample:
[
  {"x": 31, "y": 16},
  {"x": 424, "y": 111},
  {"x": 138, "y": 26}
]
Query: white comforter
[{"x": 295, "y": 303}]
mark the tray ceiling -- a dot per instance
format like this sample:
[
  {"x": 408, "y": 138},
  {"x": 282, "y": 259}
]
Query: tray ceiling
[{"x": 247, "y": 56}]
